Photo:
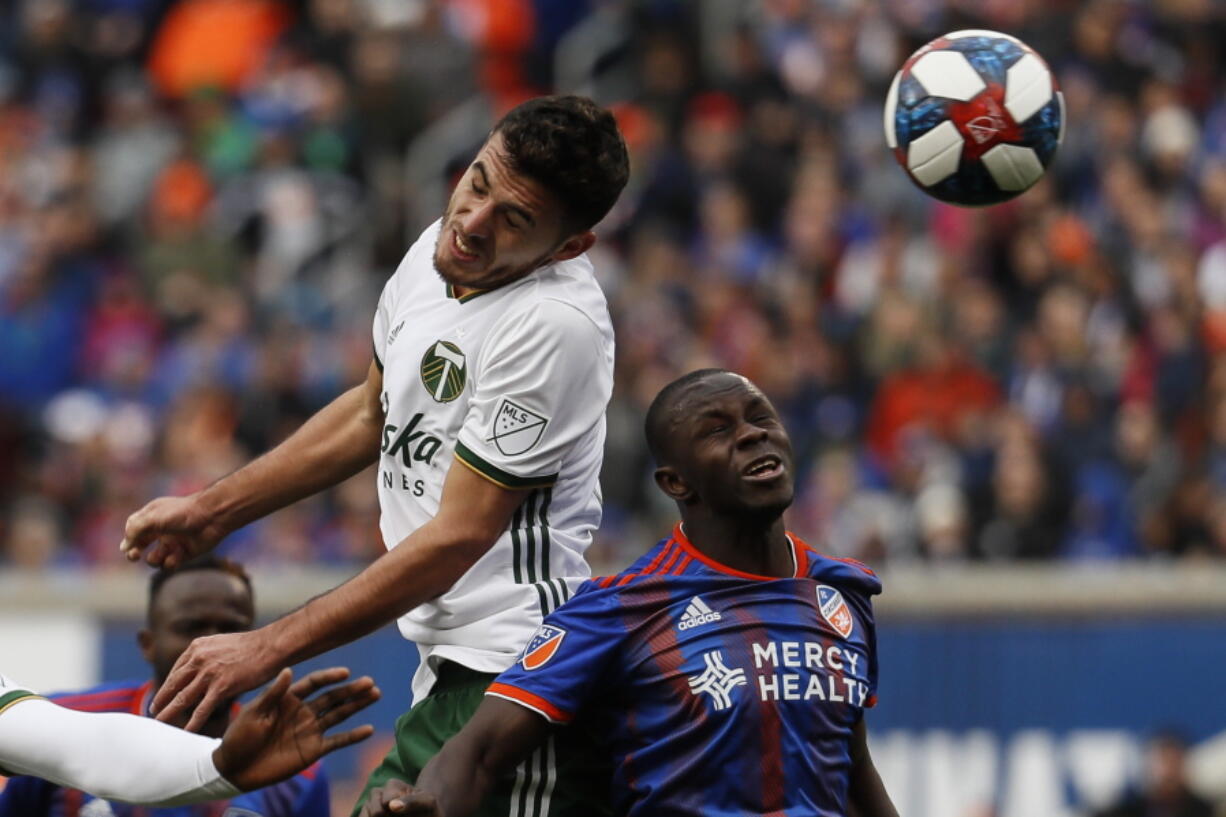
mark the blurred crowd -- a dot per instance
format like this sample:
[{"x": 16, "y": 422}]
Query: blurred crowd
[{"x": 201, "y": 199}]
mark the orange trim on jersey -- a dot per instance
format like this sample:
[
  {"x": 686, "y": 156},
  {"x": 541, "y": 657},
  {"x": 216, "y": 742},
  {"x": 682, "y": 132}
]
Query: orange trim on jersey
[
  {"x": 682, "y": 565},
  {"x": 854, "y": 563},
  {"x": 626, "y": 578},
  {"x": 672, "y": 560},
  {"x": 534, "y": 702},
  {"x": 680, "y": 536},
  {"x": 872, "y": 701}
]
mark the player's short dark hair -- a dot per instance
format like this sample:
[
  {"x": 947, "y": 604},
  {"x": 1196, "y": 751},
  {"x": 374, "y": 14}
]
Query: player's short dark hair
[
  {"x": 572, "y": 147},
  {"x": 660, "y": 411},
  {"x": 206, "y": 562}
]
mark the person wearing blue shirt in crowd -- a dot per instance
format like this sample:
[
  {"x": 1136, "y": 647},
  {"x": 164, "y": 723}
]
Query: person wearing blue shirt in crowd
[
  {"x": 203, "y": 597},
  {"x": 730, "y": 666}
]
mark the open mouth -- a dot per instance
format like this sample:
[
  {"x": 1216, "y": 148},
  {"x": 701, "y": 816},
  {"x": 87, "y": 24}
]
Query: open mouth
[
  {"x": 763, "y": 468},
  {"x": 462, "y": 249}
]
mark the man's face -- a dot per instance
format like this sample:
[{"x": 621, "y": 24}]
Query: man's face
[
  {"x": 731, "y": 448},
  {"x": 499, "y": 225},
  {"x": 190, "y": 605}
]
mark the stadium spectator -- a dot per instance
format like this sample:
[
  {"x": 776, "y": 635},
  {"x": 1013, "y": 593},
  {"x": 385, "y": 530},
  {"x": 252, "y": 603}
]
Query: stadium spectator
[{"x": 239, "y": 232}]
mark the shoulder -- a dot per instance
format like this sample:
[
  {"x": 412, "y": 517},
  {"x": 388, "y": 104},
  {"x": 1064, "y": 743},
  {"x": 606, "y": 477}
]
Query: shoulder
[
  {"x": 657, "y": 562},
  {"x": 845, "y": 574},
  {"x": 420, "y": 255},
  {"x": 563, "y": 295}
]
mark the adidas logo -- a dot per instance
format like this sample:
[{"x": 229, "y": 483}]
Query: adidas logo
[
  {"x": 392, "y": 337},
  {"x": 697, "y": 613}
]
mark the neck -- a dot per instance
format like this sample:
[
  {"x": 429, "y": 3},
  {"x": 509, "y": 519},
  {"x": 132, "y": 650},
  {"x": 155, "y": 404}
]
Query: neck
[{"x": 748, "y": 544}]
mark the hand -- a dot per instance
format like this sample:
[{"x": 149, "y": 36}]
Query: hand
[
  {"x": 169, "y": 531},
  {"x": 281, "y": 732},
  {"x": 213, "y": 669},
  {"x": 398, "y": 797}
]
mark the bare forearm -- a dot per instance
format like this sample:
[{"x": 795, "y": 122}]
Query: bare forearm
[
  {"x": 458, "y": 777},
  {"x": 425, "y": 565},
  {"x": 499, "y": 735},
  {"x": 866, "y": 791},
  {"x": 336, "y": 443}
]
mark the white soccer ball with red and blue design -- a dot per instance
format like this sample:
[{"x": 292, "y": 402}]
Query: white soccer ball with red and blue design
[{"x": 974, "y": 117}]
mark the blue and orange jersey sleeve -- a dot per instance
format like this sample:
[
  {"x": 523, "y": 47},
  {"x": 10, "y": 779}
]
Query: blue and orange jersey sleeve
[
  {"x": 303, "y": 795},
  {"x": 570, "y": 659}
]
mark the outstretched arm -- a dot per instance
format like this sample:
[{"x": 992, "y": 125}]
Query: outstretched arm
[
  {"x": 126, "y": 757},
  {"x": 338, "y": 441},
  {"x": 497, "y": 738},
  {"x": 866, "y": 792},
  {"x": 472, "y": 513}
]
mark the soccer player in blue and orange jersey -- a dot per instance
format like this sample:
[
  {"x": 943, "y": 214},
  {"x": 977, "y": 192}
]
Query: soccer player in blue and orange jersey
[
  {"x": 730, "y": 666},
  {"x": 207, "y": 596}
]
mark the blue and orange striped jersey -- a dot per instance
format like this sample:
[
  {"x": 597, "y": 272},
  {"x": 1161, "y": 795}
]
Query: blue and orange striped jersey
[
  {"x": 722, "y": 693},
  {"x": 304, "y": 795}
]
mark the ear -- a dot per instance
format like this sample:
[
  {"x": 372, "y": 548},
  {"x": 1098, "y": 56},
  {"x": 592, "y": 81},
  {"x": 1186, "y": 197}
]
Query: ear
[
  {"x": 673, "y": 484},
  {"x": 145, "y": 639},
  {"x": 574, "y": 246}
]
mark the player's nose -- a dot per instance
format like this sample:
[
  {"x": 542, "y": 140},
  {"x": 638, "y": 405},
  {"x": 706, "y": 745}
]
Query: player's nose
[{"x": 475, "y": 223}]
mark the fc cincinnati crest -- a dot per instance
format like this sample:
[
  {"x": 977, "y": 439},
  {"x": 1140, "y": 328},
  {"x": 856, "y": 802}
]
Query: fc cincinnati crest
[
  {"x": 542, "y": 647},
  {"x": 834, "y": 609},
  {"x": 443, "y": 371}
]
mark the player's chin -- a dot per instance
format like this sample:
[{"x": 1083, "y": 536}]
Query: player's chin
[
  {"x": 767, "y": 500},
  {"x": 454, "y": 275}
]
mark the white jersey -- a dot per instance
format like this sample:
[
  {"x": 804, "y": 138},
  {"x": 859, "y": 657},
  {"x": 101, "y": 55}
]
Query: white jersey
[
  {"x": 512, "y": 383},
  {"x": 11, "y": 692}
]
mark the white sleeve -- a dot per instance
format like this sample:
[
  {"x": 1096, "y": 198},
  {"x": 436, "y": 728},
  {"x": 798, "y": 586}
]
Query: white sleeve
[
  {"x": 112, "y": 755},
  {"x": 544, "y": 382}
]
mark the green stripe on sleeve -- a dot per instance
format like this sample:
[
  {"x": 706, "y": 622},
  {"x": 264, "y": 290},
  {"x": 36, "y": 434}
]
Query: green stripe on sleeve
[{"x": 496, "y": 475}]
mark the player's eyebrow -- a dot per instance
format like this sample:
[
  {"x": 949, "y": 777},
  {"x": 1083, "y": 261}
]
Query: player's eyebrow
[{"x": 479, "y": 166}]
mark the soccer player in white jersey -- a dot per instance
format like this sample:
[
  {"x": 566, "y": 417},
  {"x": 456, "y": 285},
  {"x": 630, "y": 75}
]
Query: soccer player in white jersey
[
  {"x": 484, "y": 408},
  {"x": 132, "y": 758}
]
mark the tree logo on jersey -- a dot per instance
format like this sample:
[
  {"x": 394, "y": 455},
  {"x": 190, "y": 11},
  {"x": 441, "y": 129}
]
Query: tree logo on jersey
[
  {"x": 443, "y": 371},
  {"x": 542, "y": 647},
  {"x": 834, "y": 609},
  {"x": 516, "y": 429},
  {"x": 717, "y": 680}
]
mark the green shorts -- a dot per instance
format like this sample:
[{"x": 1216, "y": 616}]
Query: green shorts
[{"x": 568, "y": 776}]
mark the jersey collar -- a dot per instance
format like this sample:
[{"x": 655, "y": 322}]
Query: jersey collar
[{"x": 800, "y": 560}]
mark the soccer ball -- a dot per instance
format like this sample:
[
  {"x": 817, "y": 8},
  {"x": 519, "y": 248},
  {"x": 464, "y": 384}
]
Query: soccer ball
[{"x": 974, "y": 117}]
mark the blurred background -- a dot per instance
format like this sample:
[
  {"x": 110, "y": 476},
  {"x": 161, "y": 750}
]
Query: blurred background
[{"x": 1017, "y": 415}]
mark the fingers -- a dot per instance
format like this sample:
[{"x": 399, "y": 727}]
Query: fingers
[
  {"x": 136, "y": 534},
  {"x": 269, "y": 701},
  {"x": 181, "y": 676},
  {"x": 352, "y": 698},
  {"x": 198, "y": 696},
  {"x": 200, "y": 715},
  {"x": 393, "y": 797},
  {"x": 342, "y": 739},
  {"x": 324, "y": 701},
  {"x": 318, "y": 679}
]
